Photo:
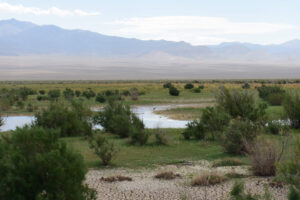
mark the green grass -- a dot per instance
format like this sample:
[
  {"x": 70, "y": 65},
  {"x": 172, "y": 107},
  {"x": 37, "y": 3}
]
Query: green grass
[
  {"x": 154, "y": 92},
  {"x": 275, "y": 112},
  {"x": 177, "y": 151}
]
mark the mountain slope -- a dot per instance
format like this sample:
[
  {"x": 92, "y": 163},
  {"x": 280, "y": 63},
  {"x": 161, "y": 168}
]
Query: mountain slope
[
  {"x": 15, "y": 39},
  {"x": 25, "y": 38}
]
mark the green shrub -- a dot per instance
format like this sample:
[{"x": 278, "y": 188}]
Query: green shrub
[
  {"x": 68, "y": 93},
  {"x": 160, "y": 136},
  {"x": 104, "y": 149},
  {"x": 238, "y": 193},
  {"x": 42, "y": 98},
  {"x": 88, "y": 94},
  {"x": 276, "y": 99},
  {"x": 100, "y": 98},
  {"x": 30, "y": 107},
  {"x": 265, "y": 91},
  {"x": 194, "y": 128},
  {"x": 189, "y": 86},
  {"x": 289, "y": 170},
  {"x": 42, "y": 92},
  {"x": 20, "y": 104},
  {"x": 54, "y": 94},
  {"x": 246, "y": 86},
  {"x": 275, "y": 127},
  {"x": 201, "y": 87},
  {"x": 24, "y": 92},
  {"x": 118, "y": 119},
  {"x": 1, "y": 121},
  {"x": 173, "y": 91},
  {"x": 167, "y": 85},
  {"x": 71, "y": 121},
  {"x": 215, "y": 119},
  {"x": 292, "y": 110},
  {"x": 138, "y": 136},
  {"x": 35, "y": 164},
  {"x": 240, "y": 104},
  {"x": 237, "y": 133},
  {"x": 197, "y": 90},
  {"x": 77, "y": 93}
]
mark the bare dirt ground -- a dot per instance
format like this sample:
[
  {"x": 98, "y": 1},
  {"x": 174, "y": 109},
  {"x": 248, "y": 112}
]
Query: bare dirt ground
[
  {"x": 94, "y": 68},
  {"x": 145, "y": 186}
]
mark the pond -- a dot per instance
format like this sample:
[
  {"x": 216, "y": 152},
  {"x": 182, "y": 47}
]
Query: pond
[{"x": 145, "y": 113}]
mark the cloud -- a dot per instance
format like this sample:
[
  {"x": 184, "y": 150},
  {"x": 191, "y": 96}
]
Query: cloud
[
  {"x": 193, "y": 29},
  {"x": 20, "y": 9}
]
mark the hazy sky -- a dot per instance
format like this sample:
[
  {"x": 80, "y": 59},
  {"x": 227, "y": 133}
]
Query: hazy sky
[{"x": 193, "y": 21}]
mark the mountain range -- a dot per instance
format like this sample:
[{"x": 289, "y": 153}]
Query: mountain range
[{"x": 18, "y": 38}]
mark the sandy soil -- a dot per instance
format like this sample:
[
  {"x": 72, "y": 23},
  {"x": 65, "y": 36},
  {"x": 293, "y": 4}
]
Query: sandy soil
[
  {"x": 145, "y": 186},
  {"x": 181, "y": 115}
]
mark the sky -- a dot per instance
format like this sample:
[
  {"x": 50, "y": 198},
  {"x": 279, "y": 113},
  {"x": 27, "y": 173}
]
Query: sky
[{"x": 199, "y": 22}]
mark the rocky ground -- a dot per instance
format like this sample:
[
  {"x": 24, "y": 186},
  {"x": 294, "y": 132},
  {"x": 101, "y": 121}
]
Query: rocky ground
[{"x": 145, "y": 186}]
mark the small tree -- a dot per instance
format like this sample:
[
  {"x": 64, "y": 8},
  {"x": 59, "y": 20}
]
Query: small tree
[
  {"x": 104, "y": 149},
  {"x": 35, "y": 164},
  {"x": 54, "y": 94},
  {"x": 189, "y": 86},
  {"x": 173, "y": 91}
]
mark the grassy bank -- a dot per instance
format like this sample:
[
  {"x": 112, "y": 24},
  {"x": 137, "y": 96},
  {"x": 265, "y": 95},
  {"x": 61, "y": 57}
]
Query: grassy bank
[
  {"x": 153, "y": 92},
  {"x": 178, "y": 150}
]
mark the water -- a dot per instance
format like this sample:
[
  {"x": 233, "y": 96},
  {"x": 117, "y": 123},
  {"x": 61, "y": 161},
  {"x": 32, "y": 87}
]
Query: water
[
  {"x": 145, "y": 113},
  {"x": 12, "y": 122}
]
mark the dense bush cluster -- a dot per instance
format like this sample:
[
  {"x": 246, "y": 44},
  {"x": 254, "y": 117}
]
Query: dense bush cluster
[
  {"x": 68, "y": 93},
  {"x": 240, "y": 104},
  {"x": 194, "y": 129},
  {"x": 237, "y": 134},
  {"x": 34, "y": 164},
  {"x": 292, "y": 110},
  {"x": 71, "y": 120},
  {"x": 15, "y": 97},
  {"x": 54, "y": 94},
  {"x": 88, "y": 94},
  {"x": 215, "y": 119},
  {"x": 272, "y": 94},
  {"x": 117, "y": 118}
]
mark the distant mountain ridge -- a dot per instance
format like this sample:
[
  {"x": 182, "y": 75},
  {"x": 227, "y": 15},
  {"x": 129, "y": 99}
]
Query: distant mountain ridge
[{"x": 25, "y": 38}]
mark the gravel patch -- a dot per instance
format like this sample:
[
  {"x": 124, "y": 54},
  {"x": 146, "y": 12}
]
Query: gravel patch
[{"x": 145, "y": 186}]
